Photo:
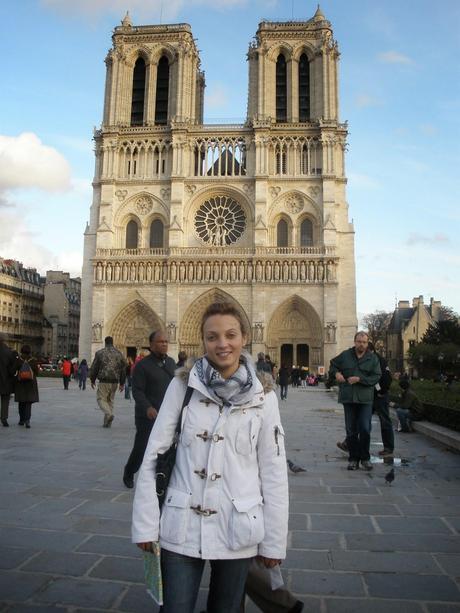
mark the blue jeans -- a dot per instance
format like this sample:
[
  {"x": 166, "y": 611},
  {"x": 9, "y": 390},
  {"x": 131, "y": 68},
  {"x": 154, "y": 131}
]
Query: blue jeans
[
  {"x": 181, "y": 582},
  {"x": 382, "y": 408},
  {"x": 405, "y": 419},
  {"x": 358, "y": 426},
  {"x": 283, "y": 391}
]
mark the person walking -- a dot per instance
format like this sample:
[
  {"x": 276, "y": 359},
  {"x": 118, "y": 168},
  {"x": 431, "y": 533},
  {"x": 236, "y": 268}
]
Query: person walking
[
  {"x": 129, "y": 377},
  {"x": 227, "y": 499},
  {"x": 262, "y": 365},
  {"x": 8, "y": 364},
  {"x": 357, "y": 370},
  {"x": 181, "y": 359},
  {"x": 82, "y": 374},
  {"x": 109, "y": 367},
  {"x": 26, "y": 387},
  {"x": 151, "y": 378},
  {"x": 381, "y": 405},
  {"x": 283, "y": 378},
  {"x": 66, "y": 370}
]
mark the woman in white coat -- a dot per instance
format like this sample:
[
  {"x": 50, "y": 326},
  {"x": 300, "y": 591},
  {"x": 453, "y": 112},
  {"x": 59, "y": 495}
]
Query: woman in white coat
[{"x": 227, "y": 499}]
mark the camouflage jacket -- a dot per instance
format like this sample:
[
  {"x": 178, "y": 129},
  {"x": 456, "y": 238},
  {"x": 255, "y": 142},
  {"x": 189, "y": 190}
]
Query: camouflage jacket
[{"x": 109, "y": 366}]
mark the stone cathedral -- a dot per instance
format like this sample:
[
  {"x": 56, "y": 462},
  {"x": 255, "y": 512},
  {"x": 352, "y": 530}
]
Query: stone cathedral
[{"x": 185, "y": 213}]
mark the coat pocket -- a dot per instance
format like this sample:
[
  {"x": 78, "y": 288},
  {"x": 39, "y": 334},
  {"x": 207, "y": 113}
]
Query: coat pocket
[
  {"x": 174, "y": 516},
  {"x": 246, "y": 527},
  {"x": 247, "y": 436}
]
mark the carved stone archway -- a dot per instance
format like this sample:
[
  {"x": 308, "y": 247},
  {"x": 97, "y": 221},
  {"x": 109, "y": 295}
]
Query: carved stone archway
[
  {"x": 133, "y": 325},
  {"x": 190, "y": 334},
  {"x": 295, "y": 322}
]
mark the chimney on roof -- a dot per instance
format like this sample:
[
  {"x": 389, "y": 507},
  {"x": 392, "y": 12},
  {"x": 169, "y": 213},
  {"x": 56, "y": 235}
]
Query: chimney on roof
[
  {"x": 403, "y": 304},
  {"x": 435, "y": 309},
  {"x": 417, "y": 301}
]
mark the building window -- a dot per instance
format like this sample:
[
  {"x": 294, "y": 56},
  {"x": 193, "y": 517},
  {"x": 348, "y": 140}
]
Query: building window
[
  {"x": 137, "y": 101},
  {"x": 161, "y": 103},
  {"x": 304, "y": 88},
  {"x": 281, "y": 89},
  {"x": 220, "y": 221},
  {"x": 131, "y": 235},
  {"x": 157, "y": 234},
  {"x": 306, "y": 233},
  {"x": 282, "y": 233}
]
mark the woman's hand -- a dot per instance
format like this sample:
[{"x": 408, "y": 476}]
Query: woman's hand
[
  {"x": 146, "y": 546},
  {"x": 268, "y": 562}
]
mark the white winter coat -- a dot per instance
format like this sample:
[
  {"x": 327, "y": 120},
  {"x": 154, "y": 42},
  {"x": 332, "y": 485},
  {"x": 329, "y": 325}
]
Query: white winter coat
[{"x": 235, "y": 471}]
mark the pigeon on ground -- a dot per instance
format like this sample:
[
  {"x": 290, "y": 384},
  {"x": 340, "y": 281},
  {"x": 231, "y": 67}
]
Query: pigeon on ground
[
  {"x": 390, "y": 477},
  {"x": 294, "y": 468}
]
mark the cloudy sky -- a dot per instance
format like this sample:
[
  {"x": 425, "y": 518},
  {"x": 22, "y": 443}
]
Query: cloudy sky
[{"x": 400, "y": 92}]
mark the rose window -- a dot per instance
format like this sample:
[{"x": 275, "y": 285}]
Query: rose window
[{"x": 220, "y": 221}]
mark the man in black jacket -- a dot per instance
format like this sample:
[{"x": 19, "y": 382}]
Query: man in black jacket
[
  {"x": 151, "y": 378},
  {"x": 381, "y": 405},
  {"x": 8, "y": 364}
]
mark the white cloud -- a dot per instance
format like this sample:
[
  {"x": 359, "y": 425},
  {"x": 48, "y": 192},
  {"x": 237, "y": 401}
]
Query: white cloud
[
  {"x": 394, "y": 57},
  {"x": 428, "y": 129},
  {"x": 138, "y": 9},
  {"x": 363, "y": 181},
  {"x": 26, "y": 162},
  {"x": 365, "y": 100},
  {"x": 19, "y": 242},
  {"x": 217, "y": 98},
  {"x": 438, "y": 238}
]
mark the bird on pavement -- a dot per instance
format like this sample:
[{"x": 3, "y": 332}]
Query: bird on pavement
[
  {"x": 390, "y": 477},
  {"x": 294, "y": 468}
]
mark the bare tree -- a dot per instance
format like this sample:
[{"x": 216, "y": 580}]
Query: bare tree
[{"x": 376, "y": 325}]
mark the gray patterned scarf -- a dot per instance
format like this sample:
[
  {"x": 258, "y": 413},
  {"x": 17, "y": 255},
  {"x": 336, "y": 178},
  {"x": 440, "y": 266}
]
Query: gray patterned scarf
[{"x": 235, "y": 390}]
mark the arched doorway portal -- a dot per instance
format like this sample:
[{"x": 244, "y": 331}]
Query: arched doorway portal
[
  {"x": 189, "y": 334},
  {"x": 132, "y": 326},
  {"x": 294, "y": 334}
]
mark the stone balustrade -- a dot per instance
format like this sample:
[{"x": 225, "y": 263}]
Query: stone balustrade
[
  {"x": 216, "y": 252},
  {"x": 212, "y": 270}
]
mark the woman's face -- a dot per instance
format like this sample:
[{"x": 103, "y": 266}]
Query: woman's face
[{"x": 223, "y": 343}]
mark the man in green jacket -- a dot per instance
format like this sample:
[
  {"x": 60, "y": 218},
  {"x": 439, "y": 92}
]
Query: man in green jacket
[{"x": 357, "y": 371}]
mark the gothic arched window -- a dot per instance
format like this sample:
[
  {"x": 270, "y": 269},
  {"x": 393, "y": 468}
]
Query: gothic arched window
[
  {"x": 138, "y": 95},
  {"x": 157, "y": 234},
  {"x": 304, "y": 88},
  {"x": 306, "y": 233},
  {"x": 281, "y": 89},
  {"x": 162, "y": 94},
  {"x": 131, "y": 235},
  {"x": 282, "y": 233}
]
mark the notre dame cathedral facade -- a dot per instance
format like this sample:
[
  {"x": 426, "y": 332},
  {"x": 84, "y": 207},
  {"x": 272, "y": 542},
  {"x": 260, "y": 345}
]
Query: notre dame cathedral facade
[{"x": 186, "y": 213}]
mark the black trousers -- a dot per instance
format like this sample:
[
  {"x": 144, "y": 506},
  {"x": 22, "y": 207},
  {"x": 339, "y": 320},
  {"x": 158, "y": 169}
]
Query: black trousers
[
  {"x": 66, "y": 379},
  {"x": 143, "y": 428},
  {"x": 25, "y": 411},
  {"x": 5, "y": 404}
]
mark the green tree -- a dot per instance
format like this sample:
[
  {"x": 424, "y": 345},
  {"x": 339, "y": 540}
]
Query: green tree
[{"x": 442, "y": 332}]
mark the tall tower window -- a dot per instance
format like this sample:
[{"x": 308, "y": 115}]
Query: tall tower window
[
  {"x": 131, "y": 235},
  {"x": 304, "y": 88},
  {"x": 281, "y": 89},
  {"x": 282, "y": 233},
  {"x": 157, "y": 234},
  {"x": 161, "y": 104},
  {"x": 306, "y": 233},
  {"x": 138, "y": 97}
]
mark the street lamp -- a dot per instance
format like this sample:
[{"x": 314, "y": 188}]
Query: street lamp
[
  {"x": 421, "y": 364},
  {"x": 440, "y": 359}
]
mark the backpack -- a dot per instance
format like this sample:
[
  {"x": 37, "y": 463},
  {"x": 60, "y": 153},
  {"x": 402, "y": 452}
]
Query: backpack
[{"x": 25, "y": 372}]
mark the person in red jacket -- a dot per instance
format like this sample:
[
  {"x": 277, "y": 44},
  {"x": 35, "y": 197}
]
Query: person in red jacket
[{"x": 66, "y": 370}]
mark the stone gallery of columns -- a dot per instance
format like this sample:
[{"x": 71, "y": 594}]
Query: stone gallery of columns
[{"x": 185, "y": 213}]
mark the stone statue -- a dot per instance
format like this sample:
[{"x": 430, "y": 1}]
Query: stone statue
[
  {"x": 149, "y": 271},
  {"x": 99, "y": 272},
  {"x": 294, "y": 271},
  {"x": 182, "y": 271},
  {"x": 303, "y": 271},
  {"x": 268, "y": 271},
  {"x": 207, "y": 271},
  {"x": 241, "y": 271},
  {"x": 171, "y": 329},
  {"x": 116, "y": 274},
  {"x": 132, "y": 274},
  {"x": 216, "y": 271},
  {"x": 320, "y": 270},
  {"x": 277, "y": 271},
  {"x": 258, "y": 271},
  {"x": 97, "y": 332},
  {"x": 224, "y": 272},
  {"x": 173, "y": 276},
  {"x": 311, "y": 271},
  {"x": 141, "y": 271},
  {"x": 232, "y": 271},
  {"x": 190, "y": 271},
  {"x": 285, "y": 271},
  {"x": 199, "y": 271}
]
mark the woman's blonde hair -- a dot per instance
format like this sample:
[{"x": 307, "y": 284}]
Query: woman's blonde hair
[{"x": 224, "y": 308}]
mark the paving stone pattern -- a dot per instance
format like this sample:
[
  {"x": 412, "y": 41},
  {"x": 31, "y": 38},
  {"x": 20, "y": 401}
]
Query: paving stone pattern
[{"x": 356, "y": 544}]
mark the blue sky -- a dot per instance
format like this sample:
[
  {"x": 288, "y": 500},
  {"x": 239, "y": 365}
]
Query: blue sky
[{"x": 400, "y": 93}]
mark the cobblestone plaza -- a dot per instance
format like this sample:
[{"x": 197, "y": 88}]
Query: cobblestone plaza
[{"x": 355, "y": 543}]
